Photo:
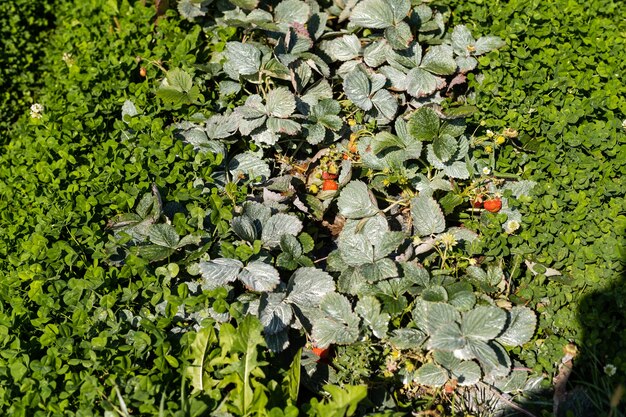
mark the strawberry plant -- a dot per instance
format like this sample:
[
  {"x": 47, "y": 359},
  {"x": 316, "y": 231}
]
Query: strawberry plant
[
  {"x": 284, "y": 208},
  {"x": 407, "y": 162}
]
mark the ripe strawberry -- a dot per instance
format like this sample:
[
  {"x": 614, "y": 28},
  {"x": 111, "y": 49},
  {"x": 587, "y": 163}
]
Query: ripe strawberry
[
  {"x": 478, "y": 202},
  {"x": 330, "y": 185},
  {"x": 321, "y": 352},
  {"x": 329, "y": 176},
  {"x": 494, "y": 205}
]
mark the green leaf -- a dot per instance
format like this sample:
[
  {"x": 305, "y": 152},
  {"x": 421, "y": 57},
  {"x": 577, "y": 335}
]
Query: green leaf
[
  {"x": 386, "y": 106},
  {"x": 244, "y": 227},
  {"x": 439, "y": 59},
  {"x": 424, "y": 124},
  {"x": 179, "y": 80},
  {"x": 339, "y": 324},
  {"x": 462, "y": 39},
  {"x": 435, "y": 293},
  {"x": 400, "y": 36},
  {"x": 467, "y": 373},
  {"x": 445, "y": 146},
  {"x": 421, "y": 83},
  {"x": 246, "y": 340},
  {"x": 488, "y": 43},
  {"x": 259, "y": 276},
  {"x": 279, "y": 225},
  {"x": 355, "y": 249},
  {"x": 415, "y": 274},
  {"x": 280, "y": 102},
  {"x": 152, "y": 253},
  {"x": 177, "y": 97},
  {"x": 483, "y": 323},
  {"x": 448, "y": 337},
  {"x": 221, "y": 271},
  {"x": 373, "y": 14},
  {"x": 344, "y": 400},
  {"x": 345, "y": 48},
  {"x": 203, "y": 341},
  {"x": 492, "y": 357},
  {"x": 357, "y": 85},
  {"x": 462, "y": 300},
  {"x": 189, "y": 9},
  {"x": 446, "y": 359},
  {"x": 164, "y": 235},
  {"x": 292, "y": 11},
  {"x": 355, "y": 201},
  {"x": 431, "y": 375},
  {"x": 368, "y": 308},
  {"x": 427, "y": 216},
  {"x": 520, "y": 327},
  {"x": 245, "y": 4},
  {"x": 430, "y": 317},
  {"x": 307, "y": 286},
  {"x": 291, "y": 381},
  {"x": 274, "y": 313},
  {"x": 290, "y": 244},
  {"x": 375, "y": 54},
  {"x": 249, "y": 165},
  {"x": 406, "y": 338},
  {"x": 244, "y": 58}
]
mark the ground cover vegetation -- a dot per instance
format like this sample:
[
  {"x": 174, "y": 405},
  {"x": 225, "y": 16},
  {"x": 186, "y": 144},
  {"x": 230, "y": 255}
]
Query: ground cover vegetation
[{"x": 302, "y": 208}]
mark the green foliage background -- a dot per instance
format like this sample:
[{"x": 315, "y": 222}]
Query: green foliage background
[
  {"x": 25, "y": 25},
  {"x": 558, "y": 82},
  {"x": 65, "y": 344}
]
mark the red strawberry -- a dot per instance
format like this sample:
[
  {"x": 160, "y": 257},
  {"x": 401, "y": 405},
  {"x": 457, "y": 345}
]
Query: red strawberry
[
  {"x": 494, "y": 205},
  {"x": 329, "y": 176},
  {"x": 330, "y": 185}
]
